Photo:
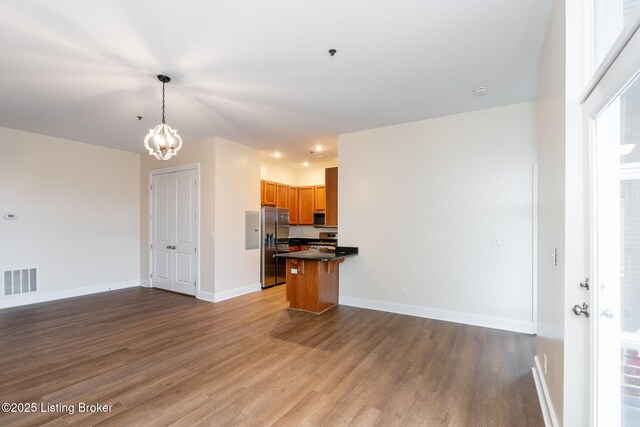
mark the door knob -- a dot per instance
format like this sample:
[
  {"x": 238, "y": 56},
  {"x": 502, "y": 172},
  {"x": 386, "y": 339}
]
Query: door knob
[{"x": 577, "y": 310}]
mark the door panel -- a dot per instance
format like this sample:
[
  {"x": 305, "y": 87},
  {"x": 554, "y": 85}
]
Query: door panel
[
  {"x": 185, "y": 224},
  {"x": 174, "y": 228},
  {"x": 162, "y": 229}
]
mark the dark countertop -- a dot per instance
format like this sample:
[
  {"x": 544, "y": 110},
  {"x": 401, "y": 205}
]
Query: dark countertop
[
  {"x": 314, "y": 254},
  {"x": 294, "y": 241}
]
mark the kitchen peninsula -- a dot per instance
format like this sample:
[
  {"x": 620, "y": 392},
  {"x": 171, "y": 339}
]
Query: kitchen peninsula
[{"x": 313, "y": 278}]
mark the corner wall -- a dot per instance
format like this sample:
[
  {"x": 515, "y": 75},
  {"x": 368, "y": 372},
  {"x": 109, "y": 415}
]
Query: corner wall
[
  {"x": 77, "y": 209},
  {"x": 237, "y": 189},
  {"x": 229, "y": 186},
  {"x": 442, "y": 209}
]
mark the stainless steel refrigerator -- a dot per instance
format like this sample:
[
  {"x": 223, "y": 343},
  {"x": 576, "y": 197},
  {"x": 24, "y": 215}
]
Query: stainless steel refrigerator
[{"x": 274, "y": 227}]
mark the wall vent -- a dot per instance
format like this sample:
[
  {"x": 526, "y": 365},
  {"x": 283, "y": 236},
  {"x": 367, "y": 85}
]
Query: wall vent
[{"x": 18, "y": 282}]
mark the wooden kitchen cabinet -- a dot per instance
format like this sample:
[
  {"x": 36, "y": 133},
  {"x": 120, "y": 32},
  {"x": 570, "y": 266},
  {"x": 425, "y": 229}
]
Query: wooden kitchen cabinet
[
  {"x": 282, "y": 198},
  {"x": 305, "y": 205},
  {"x": 331, "y": 184},
  {"x": 268, "y": 193},
  {"x": 293, "y": 205},
  {"x": 319, "y": 198}
]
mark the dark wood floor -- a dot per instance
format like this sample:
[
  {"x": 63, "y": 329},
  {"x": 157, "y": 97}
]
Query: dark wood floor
[{"x": 161, "y": 358}]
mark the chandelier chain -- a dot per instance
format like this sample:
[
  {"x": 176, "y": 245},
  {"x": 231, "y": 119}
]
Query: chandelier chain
[{"x": 163, "y": 102}]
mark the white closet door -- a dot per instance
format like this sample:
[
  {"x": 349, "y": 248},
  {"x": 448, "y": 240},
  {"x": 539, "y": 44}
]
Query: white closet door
[
  {"x": 174, "y": 231},
  {"x": 185, "y": 233},
  {"x": 162, "y": 229}
]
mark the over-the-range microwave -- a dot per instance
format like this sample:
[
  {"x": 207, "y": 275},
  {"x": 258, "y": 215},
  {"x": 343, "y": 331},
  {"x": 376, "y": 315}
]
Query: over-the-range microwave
[{"x": 318, "y": 218}]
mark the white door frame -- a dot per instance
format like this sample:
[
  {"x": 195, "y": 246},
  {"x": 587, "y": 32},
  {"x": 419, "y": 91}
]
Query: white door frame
[
  {"x": 174, "y": 169},
  {"x": 620, "y": 72}
]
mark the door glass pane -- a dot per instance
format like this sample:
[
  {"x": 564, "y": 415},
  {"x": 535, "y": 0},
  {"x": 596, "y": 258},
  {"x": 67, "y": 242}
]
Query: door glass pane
[
  {"x": 611, "y": 18},
  {"x": 618, "y": 272}
]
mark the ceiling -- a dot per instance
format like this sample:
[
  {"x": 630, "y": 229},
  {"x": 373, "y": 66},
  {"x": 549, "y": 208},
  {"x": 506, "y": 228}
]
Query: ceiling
[{"x": 258, "y": 72}]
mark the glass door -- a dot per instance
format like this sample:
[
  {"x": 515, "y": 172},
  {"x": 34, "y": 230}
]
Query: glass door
[{"x": 616, "y": 238}]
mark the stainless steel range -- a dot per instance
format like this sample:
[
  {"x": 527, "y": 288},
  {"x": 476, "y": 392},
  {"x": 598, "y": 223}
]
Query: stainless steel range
[{"x": 328, "y": 241}]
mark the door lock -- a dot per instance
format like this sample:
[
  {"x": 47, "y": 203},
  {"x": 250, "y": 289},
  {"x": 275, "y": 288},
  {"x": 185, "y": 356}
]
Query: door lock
[
  {"x": 607, "y": 314},
  {"x": 577, "y": 310},
  {"x": 585, "y": 284}
]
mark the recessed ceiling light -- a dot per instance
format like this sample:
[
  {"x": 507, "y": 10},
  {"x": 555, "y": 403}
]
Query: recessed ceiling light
[
  {"x": 318, "y": 148},
  {"x": 305, "y": 164},
  {"x": 480, "y": 90},
  {"x": 277, "y": 155}
]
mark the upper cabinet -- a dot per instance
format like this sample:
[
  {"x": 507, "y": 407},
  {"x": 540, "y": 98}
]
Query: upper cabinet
[
  {"x": 302, "y": 202},
  {"x": 293, "y": 205},
  {"x": 331, "y": 184},
  {"x": 305, "y": 204},
  {"x": 319, "y": 198},
  {"x": 268, "y": 193},
  {"x": 282, "y": 198}
]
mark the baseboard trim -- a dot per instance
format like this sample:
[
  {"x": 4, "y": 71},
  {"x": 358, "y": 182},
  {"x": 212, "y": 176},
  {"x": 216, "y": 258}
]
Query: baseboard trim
[
  {"x": 146, "y": 283},
  {"x": 232, "y": 293},
  {"x": 206, "y": 296},
  {"x": 440, "y": 314},
  {"x": 35, "y": 298},
  {"x": 548, "y": 413}
]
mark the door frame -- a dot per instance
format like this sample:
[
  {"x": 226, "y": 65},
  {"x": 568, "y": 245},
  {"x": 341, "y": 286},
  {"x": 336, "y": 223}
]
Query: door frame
[
  {"x": 164, "y": 171},
  {"x": 620, "y": 70}
]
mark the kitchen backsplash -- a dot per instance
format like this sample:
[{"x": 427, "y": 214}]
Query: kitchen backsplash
[{"x": 309, "y": 231}]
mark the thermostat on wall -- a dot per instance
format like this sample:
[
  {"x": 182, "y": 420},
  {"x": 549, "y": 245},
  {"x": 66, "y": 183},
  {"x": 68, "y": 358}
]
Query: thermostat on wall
[{"x": 10, "y": 216}]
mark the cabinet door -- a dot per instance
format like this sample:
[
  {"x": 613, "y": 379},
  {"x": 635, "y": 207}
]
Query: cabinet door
[
  {"x": 305, "y": 205},
  {"x": 319, "y": 198},
  {"x": 293, "y": 205},
  {"x": 269, "y": 193},
  {"x": 261, "y": 193},
  {"x": 331, "y": 184},
  {"x": 283, "y": 196}
]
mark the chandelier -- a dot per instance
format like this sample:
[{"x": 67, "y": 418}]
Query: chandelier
[{"x": 163, "y": 142}]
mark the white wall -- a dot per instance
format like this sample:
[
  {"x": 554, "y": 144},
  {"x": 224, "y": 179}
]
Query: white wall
[
  {"x": 277, "y": 173},
  {"x": 77, "y": 206},
  {"x": 437, "y": 192},
  {"x": 237, "y": 189},
  {"x": 310, "y": 176},
  {"x": 296, "y": 177},
  {"x": 551, "y": 155}
]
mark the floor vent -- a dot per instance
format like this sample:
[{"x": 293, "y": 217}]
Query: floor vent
[{"x": 18, "y": 282}]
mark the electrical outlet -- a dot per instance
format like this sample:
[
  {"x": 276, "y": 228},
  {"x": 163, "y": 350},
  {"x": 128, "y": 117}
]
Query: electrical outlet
[
  {"x": 545, "y": 363},
  {"x": 405, "y": 294}
]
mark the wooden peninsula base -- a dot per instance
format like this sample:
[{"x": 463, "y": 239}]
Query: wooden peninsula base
[
  {"x": 312, "y": 285},
  {"x": 313, "y": 278}
]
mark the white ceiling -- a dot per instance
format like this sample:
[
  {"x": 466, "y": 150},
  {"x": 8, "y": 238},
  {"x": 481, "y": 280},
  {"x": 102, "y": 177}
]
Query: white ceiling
[{"x": 258, "y": 72}]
